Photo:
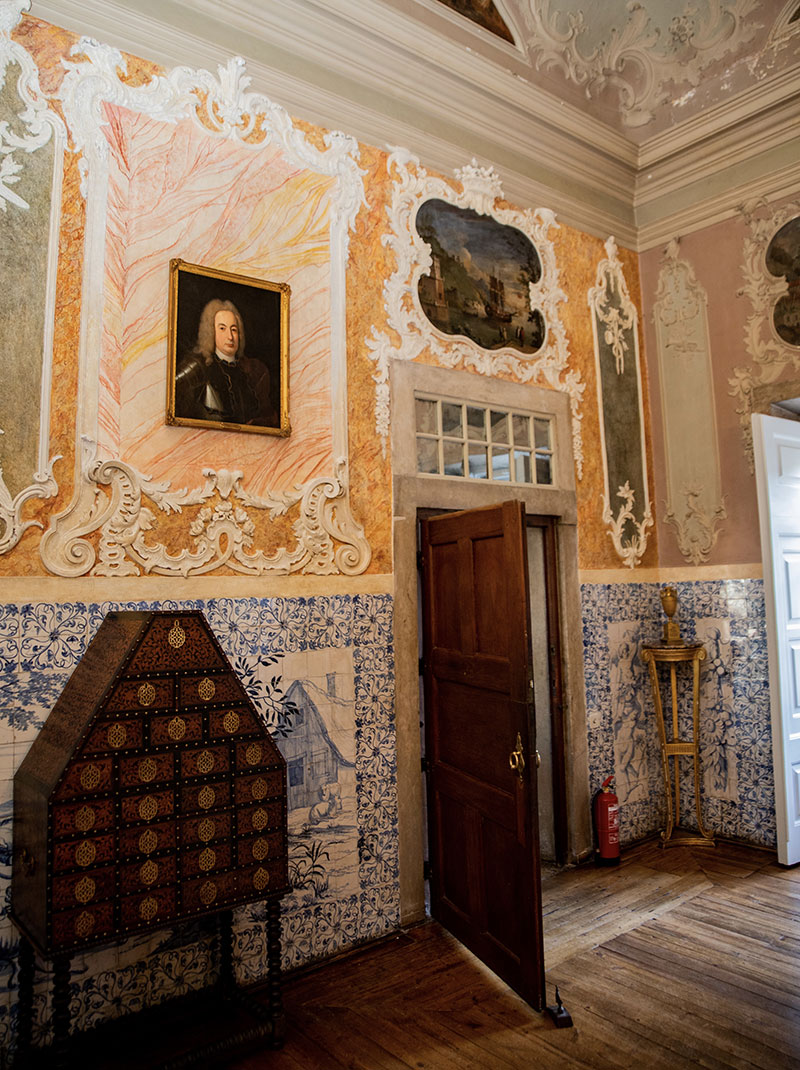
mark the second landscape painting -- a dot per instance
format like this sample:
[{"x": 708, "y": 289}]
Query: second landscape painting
[{"x": 480, "y": 278}]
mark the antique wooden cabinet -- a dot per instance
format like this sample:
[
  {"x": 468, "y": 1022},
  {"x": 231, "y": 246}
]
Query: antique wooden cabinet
[{"x": 153, "y": 793}]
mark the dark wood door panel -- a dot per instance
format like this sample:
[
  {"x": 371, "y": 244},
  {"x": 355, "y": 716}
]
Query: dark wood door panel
[{"x": 483, "y": 836}]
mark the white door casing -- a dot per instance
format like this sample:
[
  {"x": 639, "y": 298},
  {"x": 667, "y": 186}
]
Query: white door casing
[{"x": 776, "y": 445}]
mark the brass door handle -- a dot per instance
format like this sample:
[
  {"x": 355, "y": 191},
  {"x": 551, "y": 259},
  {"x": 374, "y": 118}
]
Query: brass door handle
[{"x": 516, "y": 759}]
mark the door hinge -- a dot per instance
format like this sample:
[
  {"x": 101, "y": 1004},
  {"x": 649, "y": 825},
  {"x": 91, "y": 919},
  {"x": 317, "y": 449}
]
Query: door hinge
[
  {"x": 422, "y": 666},
  {"x": 420, "y": 560},
  {"x": 424, "y": 765},
  {"x": 427, "y": 870}
]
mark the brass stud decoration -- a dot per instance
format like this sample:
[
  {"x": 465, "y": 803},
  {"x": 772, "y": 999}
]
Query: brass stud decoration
[
  {"x": 117, "y": 735},
  {"x": 148, "y": 841},
  {"x": 260, "y": 849},
  {"x": 84, "y": 819},
  {"x": 84, "y": 923},
  {"x": 148, "y": 908},
  {"x": 85, "y": 853},
  {"x": 208, "y": 893},
  {"x": 206, "y": 797},
  {"x": 259, "y": 788},
  {"x": 206, "y": 689},
  {"x": 149, "y": 871},
  {"x": 206, "y": 830},
  {"x": 208, "y": 859},
  {"x": 260, "y": 879},
  {"x": 148, "y": 808},
  {"x": 146, "y": 695},
  {"x": 230, "y": 722},
  {"x": 260, "y": 820},
  {"x": 253, "y": 754},
  {"x": 147, "y": 770},
  {"x": 176, "y": 729},
  {"x": 205, "y": 761},
  {"x": 177, "y": 636},
  {"x": 90, "y": 777},
  {"x": 85, "y": 889}
]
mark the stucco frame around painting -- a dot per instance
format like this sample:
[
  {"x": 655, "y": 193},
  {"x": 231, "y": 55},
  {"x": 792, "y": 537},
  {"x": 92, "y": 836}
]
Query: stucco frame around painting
[
  {"x": 216, "y": 523},
  {"x": 411, "y": 334}
]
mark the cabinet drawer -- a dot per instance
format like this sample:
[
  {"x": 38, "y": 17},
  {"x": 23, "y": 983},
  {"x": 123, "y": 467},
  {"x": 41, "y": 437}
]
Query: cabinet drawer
[
  {"x": 142, "y": 694},
  {"x": 111, "y": 736},
  {"x": 140, "y": 842},
  {"x": 200, "y": 798},
  {"x": 147, "y": 873},
  {"x": 87, "y": 853},
  {"x": 157, "y": 905},
  {"x": 208, "y": 893},
  {"x": 182, "y": 727},
  {"x": 86, "y": 778},
  {"x": 70, "y": 819},
  {"x": 148, "y": 806},
  {"x": 146, "y": 769},
  {"x": 266, "y": 815},
  {"x": 83, "y": 889},
  {"x": 72, "y": 927},
  {"x": 236, "y": 721},
  {"x": 210, "y": 860},
  {"x": 208, "y": 829},
  {"x": 257, "y": 788},
  {"x": 204, "y": 761}
]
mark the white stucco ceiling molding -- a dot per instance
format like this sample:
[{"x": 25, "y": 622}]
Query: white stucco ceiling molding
[
  {"x": 412, "y": 334},
  {"x": 111, "y": 495},
  {"x": 614, "y": 315},
  {"x": 41, "y": 125},
  {"x": 636, "y": 60},
  {"x": 769, "y": 353},
  {"x": 786, "y": 29}
]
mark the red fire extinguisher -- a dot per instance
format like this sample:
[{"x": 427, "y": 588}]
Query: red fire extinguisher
[{"x": 606, "y": 823}]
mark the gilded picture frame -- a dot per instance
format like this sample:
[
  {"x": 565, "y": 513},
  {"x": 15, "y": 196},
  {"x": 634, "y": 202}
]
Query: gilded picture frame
[{"x": 228, "y": 351}]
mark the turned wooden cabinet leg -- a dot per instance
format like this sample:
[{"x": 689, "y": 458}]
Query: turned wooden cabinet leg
[
  {"x": 61, "y": 1017},
  {"x": 225, "y": 930},
  {"x": 27, "y": 971},
  {"x": 276, "y": 1014}
]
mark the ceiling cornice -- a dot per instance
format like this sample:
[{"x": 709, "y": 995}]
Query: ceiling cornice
[{"x": 370, "y": 70}]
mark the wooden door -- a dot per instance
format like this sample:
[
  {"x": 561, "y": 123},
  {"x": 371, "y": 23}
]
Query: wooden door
[{"x": 480, "y": 755}]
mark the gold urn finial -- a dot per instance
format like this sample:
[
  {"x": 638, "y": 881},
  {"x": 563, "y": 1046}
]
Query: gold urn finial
[{"x": 669, "y": 603}]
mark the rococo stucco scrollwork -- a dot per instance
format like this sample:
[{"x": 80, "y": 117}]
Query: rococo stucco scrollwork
[
  {"x": 31, "y": 151},
  {"x": 695, "y": 506},
  {"x": 770, "y": 354},
  {"x": 412, "y": 334},
  {"x": 110, "y": 526},
  {"x": 615, "y": 324}
]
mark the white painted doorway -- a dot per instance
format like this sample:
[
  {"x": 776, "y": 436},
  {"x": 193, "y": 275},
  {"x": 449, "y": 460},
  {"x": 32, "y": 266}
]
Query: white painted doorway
[{"x": 776, "y": 445}]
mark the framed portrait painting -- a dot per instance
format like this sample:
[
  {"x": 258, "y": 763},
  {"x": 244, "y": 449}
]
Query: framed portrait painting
[{"x": 228, "y": 351}]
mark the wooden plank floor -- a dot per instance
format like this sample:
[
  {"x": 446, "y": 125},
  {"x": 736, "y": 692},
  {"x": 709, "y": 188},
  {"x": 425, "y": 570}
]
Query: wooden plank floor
[{"x": 680, "y": 958}]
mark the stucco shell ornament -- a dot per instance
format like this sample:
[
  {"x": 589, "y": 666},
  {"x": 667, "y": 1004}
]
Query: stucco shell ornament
[{"x": 412, "y": 335}]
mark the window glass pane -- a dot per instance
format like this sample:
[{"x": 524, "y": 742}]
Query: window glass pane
[
  {"x": 499, "y": 421},
  {"x": 453, "y": 458},
  {"x": 500, "y": 464},
  {"x": 476, "y": 423},
  {"x": 522, "y": 430},
  {"x": 451, "y": 419},
  {"x": 544, "y": 469},
  {"x": 428, "y": 455},
  {"x": 477, "y": 462},
  {"x": 427, "y": 412},
  {"x": 541, "y": 434},
  {"x": 522, "y": 466}
]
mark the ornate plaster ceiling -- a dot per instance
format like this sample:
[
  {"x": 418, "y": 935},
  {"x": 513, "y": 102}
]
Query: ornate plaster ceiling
[{"x": 641, "y": 118}]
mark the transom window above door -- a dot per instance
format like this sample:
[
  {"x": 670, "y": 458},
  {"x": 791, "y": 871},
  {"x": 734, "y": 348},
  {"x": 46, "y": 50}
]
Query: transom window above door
[{"x": 462, "y": 439}]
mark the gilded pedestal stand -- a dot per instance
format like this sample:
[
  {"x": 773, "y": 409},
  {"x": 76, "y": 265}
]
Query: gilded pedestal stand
[{"x": 673, "y": 653}]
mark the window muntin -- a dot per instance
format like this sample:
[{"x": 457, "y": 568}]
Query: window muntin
[{"x": 469, "y": 441}]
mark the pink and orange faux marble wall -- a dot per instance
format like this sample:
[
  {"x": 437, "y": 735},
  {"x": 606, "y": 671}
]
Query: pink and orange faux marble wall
[
  {"x": 176, "y": 192},
  {"x": 717, "y": 256}
]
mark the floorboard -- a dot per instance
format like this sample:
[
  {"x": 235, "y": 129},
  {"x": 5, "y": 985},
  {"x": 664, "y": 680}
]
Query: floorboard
[{"x": 685, "y": 957}]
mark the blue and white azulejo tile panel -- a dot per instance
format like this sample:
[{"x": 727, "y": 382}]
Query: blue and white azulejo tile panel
[
  {"x": 727, "y": 616},
  {"x": 321, "y": 672}
]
